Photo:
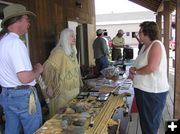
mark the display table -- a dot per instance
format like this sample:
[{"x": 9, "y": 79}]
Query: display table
[
  {"x": 98, "y": 115},
  {"x": 103, "y": 119}
]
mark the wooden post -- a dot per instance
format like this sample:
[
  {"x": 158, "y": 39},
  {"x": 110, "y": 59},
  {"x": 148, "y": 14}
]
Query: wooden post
[
  {"x": 159, "y": 22},
  {"x": 177, "y": 63},
  {"x": 166, "y": 13}
]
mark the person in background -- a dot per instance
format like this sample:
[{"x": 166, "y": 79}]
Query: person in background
[
  {"x": 17, "y": 76},
  {"x": 101, "y": 51},
  {"x": 149, "y": 75},
  {"x": 109, "y": 39},
  {"x": 118, "y": 42},
  {"x": 62, "y": 72},
  {"x": 105, "y": 37}
]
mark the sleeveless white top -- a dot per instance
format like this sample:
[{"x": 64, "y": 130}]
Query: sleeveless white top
[{"x": 155, "y": 82}]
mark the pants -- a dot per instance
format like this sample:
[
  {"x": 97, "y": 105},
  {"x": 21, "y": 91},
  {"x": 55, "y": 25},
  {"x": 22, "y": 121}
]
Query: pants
[
  {"x": 16, "y": 108},
  {"x": 102, "y": 63},
  {"x": 150, "y": 107},
  {"x": 116, "y": 54}
]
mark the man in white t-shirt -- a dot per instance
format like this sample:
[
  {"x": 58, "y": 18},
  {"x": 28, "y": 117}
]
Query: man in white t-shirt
[{"x": 17, "y": 76}]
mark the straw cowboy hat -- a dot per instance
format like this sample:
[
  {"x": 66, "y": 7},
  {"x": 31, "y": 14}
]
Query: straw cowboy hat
[{"x": 15, "y": 10}]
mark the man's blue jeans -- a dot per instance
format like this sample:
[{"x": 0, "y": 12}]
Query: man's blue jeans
[
  {"x": 102, "y": 63},
  {"x": 16, "y": 108}
]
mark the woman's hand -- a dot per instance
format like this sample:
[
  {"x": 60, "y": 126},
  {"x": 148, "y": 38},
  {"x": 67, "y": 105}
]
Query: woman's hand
[
  {"x": 50, "y": 92},
  {"x": 130, "y": 76},
  {"x": 132, "y": 72}
]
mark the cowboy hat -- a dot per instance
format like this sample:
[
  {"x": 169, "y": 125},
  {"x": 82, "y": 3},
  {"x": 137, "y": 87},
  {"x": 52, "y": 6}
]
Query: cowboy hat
[{"x": 15, "y": 10}]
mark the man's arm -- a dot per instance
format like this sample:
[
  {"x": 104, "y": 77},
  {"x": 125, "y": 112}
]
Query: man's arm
[
  {"x": 28, "y": 76},
  {"x": 104, "y": 47},
  {"x": 118, "y": 43}
]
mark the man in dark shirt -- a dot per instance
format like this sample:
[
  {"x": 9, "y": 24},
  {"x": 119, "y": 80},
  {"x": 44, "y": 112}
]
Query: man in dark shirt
[{"x": 100, "y": 51}]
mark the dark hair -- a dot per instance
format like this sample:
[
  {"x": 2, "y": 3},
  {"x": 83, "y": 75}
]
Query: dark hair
[
  {"x": 150, "y": 29},
  {"x": 8, "y": 23},
  {"x": 99, "y": 34},
  {"x": 105, "y": 34}
]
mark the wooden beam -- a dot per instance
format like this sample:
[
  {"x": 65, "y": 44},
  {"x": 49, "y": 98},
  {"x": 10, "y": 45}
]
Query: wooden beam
[
  {"x": 177, "y": 63},
  {"x": 161, "y": 7},
  {"x": 149, "y": 4}
]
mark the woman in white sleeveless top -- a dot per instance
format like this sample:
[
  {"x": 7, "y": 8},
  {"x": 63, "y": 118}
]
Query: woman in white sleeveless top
[{"x": 149, "y": 75}]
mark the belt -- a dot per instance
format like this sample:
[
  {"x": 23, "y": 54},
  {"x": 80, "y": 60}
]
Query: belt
[
  {"x": 32, "y": 97},
  {"x": 19, "y": 87},
  {"x": 117, "y": 48}
]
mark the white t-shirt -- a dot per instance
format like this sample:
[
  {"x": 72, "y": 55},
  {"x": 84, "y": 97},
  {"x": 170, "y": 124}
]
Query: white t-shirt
[
  {"x": 14, "y": 58},
  {"x": 155, "y": 82}
]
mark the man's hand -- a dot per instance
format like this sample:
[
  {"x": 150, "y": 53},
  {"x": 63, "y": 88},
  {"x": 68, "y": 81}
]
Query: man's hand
[
  {"x": 28, "y": 76},
  {"x": 38, "y": 68}
]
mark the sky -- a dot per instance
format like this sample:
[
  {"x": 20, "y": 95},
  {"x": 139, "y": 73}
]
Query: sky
[{"x": 116, "y": 6}]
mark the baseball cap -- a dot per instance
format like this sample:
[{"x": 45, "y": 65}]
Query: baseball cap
[
  {"x": 121, "y": 31},
  {"x": 99, "y": 31}
]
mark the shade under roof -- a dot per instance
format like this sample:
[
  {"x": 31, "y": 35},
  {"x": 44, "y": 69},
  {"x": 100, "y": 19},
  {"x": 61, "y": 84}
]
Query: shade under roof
[{"x": 155, "y": 5}]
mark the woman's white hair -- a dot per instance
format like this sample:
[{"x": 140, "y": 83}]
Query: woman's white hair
[{"x": 64, "y": 42}]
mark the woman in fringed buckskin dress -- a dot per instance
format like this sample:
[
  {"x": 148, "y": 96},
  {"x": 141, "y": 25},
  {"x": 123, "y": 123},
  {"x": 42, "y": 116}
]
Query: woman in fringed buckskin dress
[{"x": 62, "y": 72}]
